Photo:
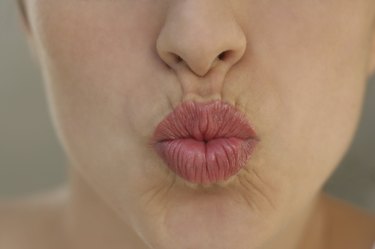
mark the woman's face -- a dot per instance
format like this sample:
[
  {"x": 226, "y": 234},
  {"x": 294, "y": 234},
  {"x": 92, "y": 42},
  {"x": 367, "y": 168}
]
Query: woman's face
[{"x": 115, "y": 68}]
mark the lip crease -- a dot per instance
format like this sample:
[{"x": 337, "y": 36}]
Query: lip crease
[{"x": 205, "y": 143}]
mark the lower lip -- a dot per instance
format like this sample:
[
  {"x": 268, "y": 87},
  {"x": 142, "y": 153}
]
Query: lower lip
[{"x": 206, "y": 162}]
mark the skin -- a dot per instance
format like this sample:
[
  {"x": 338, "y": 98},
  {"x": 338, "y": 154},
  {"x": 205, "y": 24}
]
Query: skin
[{"x": 114, "y": 69}]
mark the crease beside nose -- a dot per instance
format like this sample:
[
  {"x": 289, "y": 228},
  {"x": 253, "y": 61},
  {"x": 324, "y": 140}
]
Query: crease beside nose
[{"x": 199, "y": 35}]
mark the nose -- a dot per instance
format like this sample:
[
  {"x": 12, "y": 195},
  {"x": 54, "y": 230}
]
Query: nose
[{"x": 200, "y": 35}]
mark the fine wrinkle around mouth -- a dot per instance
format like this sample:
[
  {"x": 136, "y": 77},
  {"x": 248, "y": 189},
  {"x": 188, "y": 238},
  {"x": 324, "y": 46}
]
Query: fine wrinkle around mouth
[{"x": 204, "y": 123}]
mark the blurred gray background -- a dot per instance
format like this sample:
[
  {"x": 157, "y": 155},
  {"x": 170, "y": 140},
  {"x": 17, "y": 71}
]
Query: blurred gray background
[{"x": 31, "y": 158}]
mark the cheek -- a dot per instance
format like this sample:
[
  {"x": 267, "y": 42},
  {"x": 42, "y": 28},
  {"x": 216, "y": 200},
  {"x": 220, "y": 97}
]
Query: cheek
[
  {"x": 306, "y": 92},
  {"x": 95, "y": 63},
  {"x": 100, "y": 90},
  {"x": 312, "y": 81}
]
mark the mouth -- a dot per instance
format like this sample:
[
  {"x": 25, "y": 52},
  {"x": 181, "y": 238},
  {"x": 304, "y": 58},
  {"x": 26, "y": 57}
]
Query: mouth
[{"x": 205, "y": 143}]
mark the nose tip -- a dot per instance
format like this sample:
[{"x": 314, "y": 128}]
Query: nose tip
[{"x": 200, "y": 35}]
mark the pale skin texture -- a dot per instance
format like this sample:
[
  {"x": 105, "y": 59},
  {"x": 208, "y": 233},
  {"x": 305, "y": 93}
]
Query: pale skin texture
[{"x": 114, "y": 69}]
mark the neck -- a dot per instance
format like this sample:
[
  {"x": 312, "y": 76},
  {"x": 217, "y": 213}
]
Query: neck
[{"x": 91, "y": 223}]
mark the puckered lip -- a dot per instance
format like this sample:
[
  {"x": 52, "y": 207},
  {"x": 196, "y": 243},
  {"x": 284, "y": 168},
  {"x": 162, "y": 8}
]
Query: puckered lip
[{"x": 204, "y": 122}]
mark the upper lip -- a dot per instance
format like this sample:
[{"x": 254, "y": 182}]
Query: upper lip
[{"x": 204, "y": 122}]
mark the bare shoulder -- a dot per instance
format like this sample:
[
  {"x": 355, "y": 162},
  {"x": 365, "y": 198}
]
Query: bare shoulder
[
  {"x": 351, "y": 226},
  {"x": 33, "y": 222}
]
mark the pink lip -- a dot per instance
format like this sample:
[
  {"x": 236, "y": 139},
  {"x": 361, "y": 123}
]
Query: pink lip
[{"x": 205, "y": 142}]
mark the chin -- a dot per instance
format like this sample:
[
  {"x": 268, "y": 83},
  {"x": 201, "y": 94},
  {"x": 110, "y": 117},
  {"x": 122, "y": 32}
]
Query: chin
[{"x": 206, "y": 220}]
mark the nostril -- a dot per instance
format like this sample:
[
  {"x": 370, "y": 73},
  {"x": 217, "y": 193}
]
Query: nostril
[
  {"x": 223, "y": 55},
  {"x": 178, "y": 59}
]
